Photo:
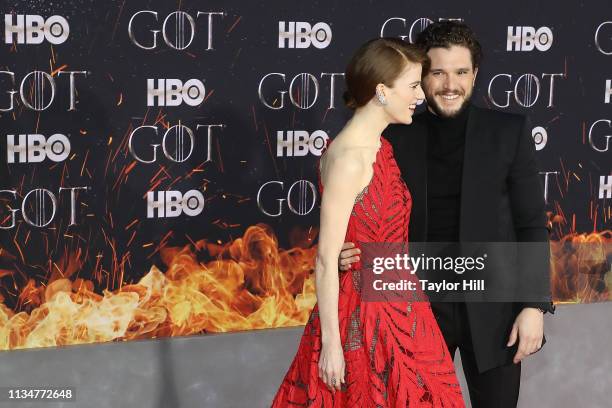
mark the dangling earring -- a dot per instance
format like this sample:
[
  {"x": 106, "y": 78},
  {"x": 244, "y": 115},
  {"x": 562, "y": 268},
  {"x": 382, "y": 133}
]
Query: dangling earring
[{"x": 381, "y": 98}]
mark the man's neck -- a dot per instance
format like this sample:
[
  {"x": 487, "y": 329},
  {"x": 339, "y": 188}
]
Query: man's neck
[{"x": 459, "y": 117}]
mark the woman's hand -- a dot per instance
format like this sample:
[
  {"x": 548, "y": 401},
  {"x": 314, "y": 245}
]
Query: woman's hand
[{"x": 331, "y": 365}]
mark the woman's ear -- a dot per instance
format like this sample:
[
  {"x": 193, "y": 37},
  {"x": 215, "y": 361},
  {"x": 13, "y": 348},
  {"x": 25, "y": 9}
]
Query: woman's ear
[{"x": 380, "y": 94}]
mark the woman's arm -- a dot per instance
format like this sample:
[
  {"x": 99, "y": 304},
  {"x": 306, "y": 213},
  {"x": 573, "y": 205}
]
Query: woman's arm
[{"x": 341, "y": 180}]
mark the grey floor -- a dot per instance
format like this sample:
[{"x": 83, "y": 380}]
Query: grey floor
[{"x": 243, "y": 369}]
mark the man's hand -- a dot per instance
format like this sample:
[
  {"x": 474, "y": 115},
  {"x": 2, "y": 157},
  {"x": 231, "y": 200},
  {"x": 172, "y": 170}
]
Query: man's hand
[
  {"x": 529, "y": 329},
  {"x": 348, "y": 255}
]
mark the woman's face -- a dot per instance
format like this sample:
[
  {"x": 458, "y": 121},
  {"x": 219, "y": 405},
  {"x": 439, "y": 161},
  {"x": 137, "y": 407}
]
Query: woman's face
[{"x": 404, "y": 95}]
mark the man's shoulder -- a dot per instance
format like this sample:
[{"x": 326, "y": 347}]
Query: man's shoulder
[
  {"x": 479, "y": 112},
  {"x": 496, "y": 116},
  {"x": 398, "y": 136},
  {"x": 405, "y": 136},
  {"x": 420, "y": 118}
]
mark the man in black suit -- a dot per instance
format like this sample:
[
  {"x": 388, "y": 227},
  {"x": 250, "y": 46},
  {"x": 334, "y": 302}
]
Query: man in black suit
[{"x": 473, "y": 178}]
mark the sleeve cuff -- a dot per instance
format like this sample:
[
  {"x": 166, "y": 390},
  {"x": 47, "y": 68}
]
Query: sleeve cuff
[{"x": 546, "y": 307}]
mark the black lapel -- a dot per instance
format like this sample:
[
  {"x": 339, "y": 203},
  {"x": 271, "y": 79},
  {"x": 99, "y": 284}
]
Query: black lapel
[
  {"x": 476, "y": 199},
  {"x": 412, "y": 161}
]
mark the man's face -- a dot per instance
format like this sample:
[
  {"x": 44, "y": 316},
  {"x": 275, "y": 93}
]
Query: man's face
[{"x": 450, "y": 82}]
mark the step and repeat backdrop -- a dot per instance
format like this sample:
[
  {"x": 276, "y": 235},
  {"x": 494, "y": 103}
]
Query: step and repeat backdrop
[{"x": 158, "y": 157}]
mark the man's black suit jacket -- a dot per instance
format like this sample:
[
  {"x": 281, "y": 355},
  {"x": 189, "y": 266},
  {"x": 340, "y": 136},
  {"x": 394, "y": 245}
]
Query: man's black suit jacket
[{"x": 502, "y": 200}]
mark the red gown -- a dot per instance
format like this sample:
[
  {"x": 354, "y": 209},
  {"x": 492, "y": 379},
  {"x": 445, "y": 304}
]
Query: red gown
[{"x": 395, "y": 355}]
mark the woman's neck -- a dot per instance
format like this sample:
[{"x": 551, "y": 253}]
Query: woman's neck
[{"x": 366, "y": 126}]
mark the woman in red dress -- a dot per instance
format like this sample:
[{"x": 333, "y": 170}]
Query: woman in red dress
[{"x": 358, "y": 353}]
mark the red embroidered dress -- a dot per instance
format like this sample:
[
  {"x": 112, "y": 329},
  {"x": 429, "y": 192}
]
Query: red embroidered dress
[{"x": 394, "y": 352}]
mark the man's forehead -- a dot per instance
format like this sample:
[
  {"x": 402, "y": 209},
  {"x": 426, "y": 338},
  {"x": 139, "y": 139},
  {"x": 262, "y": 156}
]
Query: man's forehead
[{"x": 455, "y": 57}]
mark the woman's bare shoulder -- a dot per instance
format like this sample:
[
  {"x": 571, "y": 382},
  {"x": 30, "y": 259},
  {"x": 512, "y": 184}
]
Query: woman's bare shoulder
[{"x": 344, "y": 164}]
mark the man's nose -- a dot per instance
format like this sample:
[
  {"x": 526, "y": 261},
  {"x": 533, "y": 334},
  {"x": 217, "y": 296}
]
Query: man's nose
[{"x": 448, "y": 82}]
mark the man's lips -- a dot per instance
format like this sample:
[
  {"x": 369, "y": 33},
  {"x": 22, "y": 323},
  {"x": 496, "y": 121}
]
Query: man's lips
[{"x": 449, "y": 97}]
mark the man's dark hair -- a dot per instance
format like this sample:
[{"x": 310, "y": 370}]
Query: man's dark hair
[{"x": 445, "y": 34}]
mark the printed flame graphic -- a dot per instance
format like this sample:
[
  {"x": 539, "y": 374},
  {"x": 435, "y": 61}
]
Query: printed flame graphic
[
  {"x": 250, "y": 285},
  {"x": 580, "y": 268}
]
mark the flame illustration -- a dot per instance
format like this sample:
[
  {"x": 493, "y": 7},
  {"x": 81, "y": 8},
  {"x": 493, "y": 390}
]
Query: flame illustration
[
  {"x": 251, "y": 284},
  {"x": 580, "y": 268}
]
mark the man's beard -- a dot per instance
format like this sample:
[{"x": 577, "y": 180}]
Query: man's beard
[{"x": 433, "y": 105}]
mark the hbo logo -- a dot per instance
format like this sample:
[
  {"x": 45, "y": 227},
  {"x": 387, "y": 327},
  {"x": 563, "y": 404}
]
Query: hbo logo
[
  {"x": 32, "y": 29},
  {"x": 300, "y": 143},
  {"x": 528, "y": 38},
  {"x": 174, "y": 203},
  {"x": 302, "y": 35},
  {"x": 172, "y": 92},
  {"x": 36, "y": 148},
  {"x": 540, "y": 137},
  {"x": 605, "y": 187}
]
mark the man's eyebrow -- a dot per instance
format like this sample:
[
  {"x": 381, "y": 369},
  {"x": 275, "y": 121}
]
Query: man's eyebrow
[{"x": 456, "y": 69}]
